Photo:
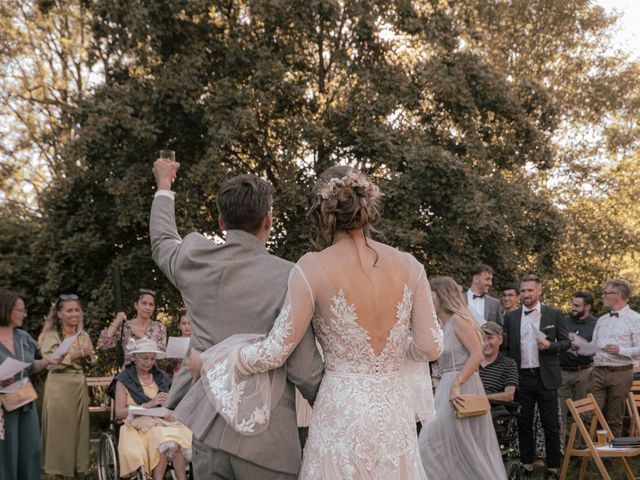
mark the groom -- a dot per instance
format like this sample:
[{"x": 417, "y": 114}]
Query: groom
[{"x": 236, "y": 287}]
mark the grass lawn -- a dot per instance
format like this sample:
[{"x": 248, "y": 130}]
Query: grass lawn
[{"x": 99, "y": 424}]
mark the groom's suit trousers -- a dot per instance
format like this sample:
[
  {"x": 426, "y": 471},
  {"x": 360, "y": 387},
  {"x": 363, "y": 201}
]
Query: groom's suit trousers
[{"x": 212, "y": 464}]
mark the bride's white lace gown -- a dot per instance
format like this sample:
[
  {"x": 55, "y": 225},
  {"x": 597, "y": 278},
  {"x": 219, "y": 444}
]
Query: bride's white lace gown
[{"x": 372, "y": 323}]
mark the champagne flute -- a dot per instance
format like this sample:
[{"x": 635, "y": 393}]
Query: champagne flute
[{"x": 168, "y": 154}]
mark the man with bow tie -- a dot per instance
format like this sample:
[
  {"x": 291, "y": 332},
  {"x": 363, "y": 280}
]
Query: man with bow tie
[
  {"x": 483, "y": 306},
  {"x": 535, "y": 337},
  {"x": 617, "y": 336}
]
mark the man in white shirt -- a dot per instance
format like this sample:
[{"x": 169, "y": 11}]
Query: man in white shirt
[
  {"x": 617, "y": 336},
  {"x": 483, "y": 306}
]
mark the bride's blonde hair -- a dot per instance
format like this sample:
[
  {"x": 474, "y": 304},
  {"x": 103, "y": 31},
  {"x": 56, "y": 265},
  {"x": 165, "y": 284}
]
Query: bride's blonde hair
[{"x": 452, "y": 302}]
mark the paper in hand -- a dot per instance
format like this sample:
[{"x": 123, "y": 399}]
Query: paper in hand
[
  {"x": 149, "y": 412},
  {"x": 15, "y": 385},
  {"x": 64, "y": 347},
  {"x": 585, "y": 347},
  {"x": 10, "y": 367},
  {"x": 177, "y": 347},
  {"x": 537, "y": 333}
]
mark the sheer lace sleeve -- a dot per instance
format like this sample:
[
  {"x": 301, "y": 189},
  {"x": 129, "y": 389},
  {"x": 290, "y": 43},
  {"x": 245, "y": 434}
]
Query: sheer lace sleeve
[
  {"x": 426, "y": 341},
  {"x": 287, "y": 331},
  {"x": 236, "y": 371}
]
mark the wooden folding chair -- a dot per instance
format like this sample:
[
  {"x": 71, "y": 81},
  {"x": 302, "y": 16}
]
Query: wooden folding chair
[
  {"x": 634, "y": 426},
  {"x": 592, "y": 452},
  {"x": 633, "y": 402}
]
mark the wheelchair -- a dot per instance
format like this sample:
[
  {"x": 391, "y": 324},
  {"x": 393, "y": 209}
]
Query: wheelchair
[
  {"x": 108, "y": 464},
  {"x": 504, "y": 415}
]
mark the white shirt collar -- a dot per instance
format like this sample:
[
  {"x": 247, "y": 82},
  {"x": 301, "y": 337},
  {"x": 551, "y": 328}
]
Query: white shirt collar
[
  {"x": 537, "y": 307},
  {"x": 470, "y": 295},
  {"x": 624, "y": 309}
]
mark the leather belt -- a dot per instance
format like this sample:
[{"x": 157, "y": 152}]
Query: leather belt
[
  {"x": 610, "y": 368},
  {"x": 529, "y": 371},
  {"x": 577, "y": 369}
]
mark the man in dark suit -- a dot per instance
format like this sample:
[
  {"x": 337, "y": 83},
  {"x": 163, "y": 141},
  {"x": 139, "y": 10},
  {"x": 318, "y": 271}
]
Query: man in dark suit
[
  {"x": 536, "y": 336},
  {"x": 483, "y": 306}
]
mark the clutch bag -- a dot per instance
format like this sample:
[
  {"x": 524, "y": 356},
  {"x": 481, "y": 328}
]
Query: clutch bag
[
  {"x": 19, "y": 397},
  {"x": 473, "y": 405}
]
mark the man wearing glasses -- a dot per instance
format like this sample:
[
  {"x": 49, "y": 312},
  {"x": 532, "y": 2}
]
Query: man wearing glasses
[{"x": 617, "y": 336}]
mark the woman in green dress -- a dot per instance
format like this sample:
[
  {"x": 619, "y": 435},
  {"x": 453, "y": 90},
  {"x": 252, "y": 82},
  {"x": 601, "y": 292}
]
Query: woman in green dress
[
  {"x": 20, "y": 448},
  {"x": 65, "y": 406}
]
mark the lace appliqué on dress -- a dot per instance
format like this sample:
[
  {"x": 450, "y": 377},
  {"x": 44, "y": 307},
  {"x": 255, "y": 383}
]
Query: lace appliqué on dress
[
  {"x": 268, "y": 353},
  {"x": 363, "y": 417}
]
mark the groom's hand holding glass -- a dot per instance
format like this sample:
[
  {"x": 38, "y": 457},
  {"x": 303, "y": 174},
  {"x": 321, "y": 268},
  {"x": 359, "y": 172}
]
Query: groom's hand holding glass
[{"x": 165, "y": 171}]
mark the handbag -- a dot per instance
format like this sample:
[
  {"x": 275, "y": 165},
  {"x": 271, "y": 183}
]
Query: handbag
[
  {"x": 20, "y": 396},
  {"x": 473, "y": 404},
  {"x": 625, "y": 442}
]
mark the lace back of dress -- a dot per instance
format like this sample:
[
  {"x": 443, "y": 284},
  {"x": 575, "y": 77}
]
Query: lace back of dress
[{"x": 343, "y": 323}]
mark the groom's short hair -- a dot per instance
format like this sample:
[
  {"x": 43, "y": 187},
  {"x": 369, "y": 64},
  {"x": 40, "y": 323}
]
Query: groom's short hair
[{"x": 243, "y": 202}]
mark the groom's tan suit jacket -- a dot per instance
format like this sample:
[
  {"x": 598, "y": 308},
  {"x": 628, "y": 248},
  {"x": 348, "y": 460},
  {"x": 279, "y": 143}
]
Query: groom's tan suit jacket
[{"x": 236, "y": 287}]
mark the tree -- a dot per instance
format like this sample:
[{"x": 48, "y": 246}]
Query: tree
[
  {"x": 46, "y": 71},
  {"x": 284, "y": 89},
  {"x": 461, "y": 142}
]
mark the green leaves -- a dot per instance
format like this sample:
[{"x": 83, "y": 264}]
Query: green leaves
[{"x": 461, "y": 111}]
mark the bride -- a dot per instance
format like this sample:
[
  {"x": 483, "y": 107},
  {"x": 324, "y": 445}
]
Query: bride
[{"x": 373, "y": 315}]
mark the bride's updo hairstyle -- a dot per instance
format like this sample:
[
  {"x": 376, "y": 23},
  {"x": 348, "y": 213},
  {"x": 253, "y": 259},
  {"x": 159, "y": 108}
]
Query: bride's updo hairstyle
[{"x": 342, "y": 199}]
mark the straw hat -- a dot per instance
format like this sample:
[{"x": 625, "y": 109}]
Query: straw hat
[{"x": 143, "y": 345}]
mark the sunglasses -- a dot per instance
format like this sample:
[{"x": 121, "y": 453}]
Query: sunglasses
[
  {"x": 71, "y": 296},
  {"x": 66, "y": 298}
]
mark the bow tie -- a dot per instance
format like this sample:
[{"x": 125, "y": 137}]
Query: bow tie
[
  {"x": 527, "y": 312},
  {"x": 478, "y": 296},
  {"x": 614, "y": 314}
]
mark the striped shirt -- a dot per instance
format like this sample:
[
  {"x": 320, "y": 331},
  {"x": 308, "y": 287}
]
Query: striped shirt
[{"x": 499, "y": 375}]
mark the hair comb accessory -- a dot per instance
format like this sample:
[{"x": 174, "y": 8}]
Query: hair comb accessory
[{"x": 356, "y": 181}]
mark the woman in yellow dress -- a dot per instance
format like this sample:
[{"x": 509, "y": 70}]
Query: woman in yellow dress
[
  {"x": 65, "y": 406},
  {"x": 148, "y": 442}
]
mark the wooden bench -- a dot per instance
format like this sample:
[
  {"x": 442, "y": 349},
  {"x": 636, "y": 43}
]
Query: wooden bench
[{"x": 98, "y": 390}]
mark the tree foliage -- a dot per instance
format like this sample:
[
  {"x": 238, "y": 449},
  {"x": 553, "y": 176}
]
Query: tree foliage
[
  {"x": 46, "y": 72},
  {"x": 459, "y": 110}
]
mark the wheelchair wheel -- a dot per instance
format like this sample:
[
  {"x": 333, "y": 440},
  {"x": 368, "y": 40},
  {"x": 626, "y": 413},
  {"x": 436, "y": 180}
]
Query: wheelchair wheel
[
  {"x": 108, "y": 468},
  {"x": 513, "y": 470}
]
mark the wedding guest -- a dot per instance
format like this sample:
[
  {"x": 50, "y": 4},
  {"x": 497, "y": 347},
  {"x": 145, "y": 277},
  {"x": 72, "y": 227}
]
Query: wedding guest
[
  {"x": 174, "y": 365},
  {"x": 618, "y": 335},
  {"x": 183, "y": 324},
  {"x": 576, "y": 368},
  {"x": 20, "y": 448},
  {"x": 65, "y": 406},
  {"x": 510, "y": 299},
  {"x": 141, "y": 326},
  {"x": 483, "y": 306},
  {"x": 499, "y": 374},
  {"x": 147, "y": 442},
  {"x": 451, "y": 447},
  {"x": 535, "y": 338}
]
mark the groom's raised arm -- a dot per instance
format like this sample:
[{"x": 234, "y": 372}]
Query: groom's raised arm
[{"x": 165, "y": 240}]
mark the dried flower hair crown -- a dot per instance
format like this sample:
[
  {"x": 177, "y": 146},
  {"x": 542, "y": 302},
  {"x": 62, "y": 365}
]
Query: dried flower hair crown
[{"x": 354, "y": 180}]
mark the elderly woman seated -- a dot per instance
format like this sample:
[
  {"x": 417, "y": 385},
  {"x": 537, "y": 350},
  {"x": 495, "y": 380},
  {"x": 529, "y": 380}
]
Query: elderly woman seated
[{"x": 148, "y": 442}]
